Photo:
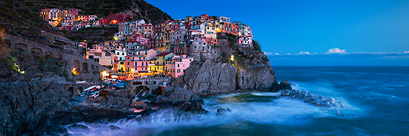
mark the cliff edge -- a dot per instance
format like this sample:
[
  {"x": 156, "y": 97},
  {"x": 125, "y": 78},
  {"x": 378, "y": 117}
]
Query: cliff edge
[{"x": 230, "y": 69}]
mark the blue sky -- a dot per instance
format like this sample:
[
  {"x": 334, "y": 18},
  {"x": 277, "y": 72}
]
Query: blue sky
[{"x": 315, "y": 32}]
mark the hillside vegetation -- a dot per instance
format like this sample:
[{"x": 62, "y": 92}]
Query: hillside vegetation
[{"x": 16, "y": 18}]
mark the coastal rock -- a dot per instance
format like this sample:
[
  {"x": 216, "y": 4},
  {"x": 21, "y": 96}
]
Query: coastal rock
[
  {"x": 212, "y": 78},
  {"x": 284, "y": 85},
  {"x": 220, "y": 111},
  {"x": 120, "y": 98},
  {"x": 113, "y": 127},
  {"x": 25, "y": 108},
  {"x": 312, "y": 98},
  {"x": 182, "y": 98},
  {"x": 78, "y": 126}
]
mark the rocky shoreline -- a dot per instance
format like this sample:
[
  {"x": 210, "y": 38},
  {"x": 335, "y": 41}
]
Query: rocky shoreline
[{"x": 317, "y": 100}]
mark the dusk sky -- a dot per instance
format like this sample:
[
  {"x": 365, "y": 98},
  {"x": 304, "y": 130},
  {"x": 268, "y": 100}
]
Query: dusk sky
[{"x": 317, "y": 32}]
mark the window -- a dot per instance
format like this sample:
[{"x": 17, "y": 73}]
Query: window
[
  {"x": 178, "y": 70},
  {"x": 136, "y": 63},
  {"x": 128, "y": 64},
  {"x": 178, "y": 65}
]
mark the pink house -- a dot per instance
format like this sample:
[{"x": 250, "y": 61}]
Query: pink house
[
  {"x": 179, "y": 65},
  {"x": 137, "y": 38},
  {"x": 73, "y": 11},
  {"x": 138, "y": 62},
  {"x": 246, "y": 41}
]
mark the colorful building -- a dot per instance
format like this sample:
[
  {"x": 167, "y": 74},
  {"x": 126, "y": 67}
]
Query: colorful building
[
  {"x": 161, "y": 62},
  {"x": 244, "y": 30},
  {"x": 246, "y": 41},
  {"x": 148, "y": 31},
  {"x": 222, "y": 19},
  {"x": 229, "y": 28},
  {"x": 44, "y": 13},
  {"x": 179, "y": 65}
]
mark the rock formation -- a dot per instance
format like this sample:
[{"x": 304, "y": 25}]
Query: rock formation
[
  {"x": 113, "y": 98},
  {"x": 217, "y": 74},
  {"x": 317, "y": 100},
  {"x": 181, "y": 98}
]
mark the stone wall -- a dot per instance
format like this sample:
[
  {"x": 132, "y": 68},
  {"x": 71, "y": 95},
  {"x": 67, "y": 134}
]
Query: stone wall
[{"x": 70, "y": 55}]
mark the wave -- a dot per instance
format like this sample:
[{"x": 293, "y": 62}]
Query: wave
[
  {"x": 266, "y": 94},
  {"x": 255, "y": 107},
  {"x": 326, "y": 89},
  {"x": 283, "y": 111}
]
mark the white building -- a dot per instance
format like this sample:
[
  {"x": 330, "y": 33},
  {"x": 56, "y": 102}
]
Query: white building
[{"x": 221, "y": 19}]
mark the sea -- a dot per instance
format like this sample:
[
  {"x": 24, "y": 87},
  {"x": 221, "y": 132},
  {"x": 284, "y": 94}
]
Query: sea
[{"x": 376, "y": 102}]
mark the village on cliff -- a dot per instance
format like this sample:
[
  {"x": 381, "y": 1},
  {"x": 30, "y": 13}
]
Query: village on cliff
[{"x": 141, "y": 49}]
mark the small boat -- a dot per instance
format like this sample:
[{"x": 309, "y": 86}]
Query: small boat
[
  {"x": 119, "y": 85},
  {"x": 90, "y": 90}
]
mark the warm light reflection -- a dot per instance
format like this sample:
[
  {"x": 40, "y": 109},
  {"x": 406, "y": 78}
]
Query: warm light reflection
[{"x": 74, "y": 71}]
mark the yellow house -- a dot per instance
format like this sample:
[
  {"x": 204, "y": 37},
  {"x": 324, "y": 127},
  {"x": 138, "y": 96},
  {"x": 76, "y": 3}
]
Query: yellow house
[
  {"x": 152, "y": 67},
  {"x": 161, "y": 61}
]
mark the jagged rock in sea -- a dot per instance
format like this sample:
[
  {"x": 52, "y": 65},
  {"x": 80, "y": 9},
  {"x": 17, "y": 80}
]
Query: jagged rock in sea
[
  {"x": 284, "y": 85},
  {"x": 184, "y": 99},
  {"x": 317, "y": 100},
  {"x": 220, "y": 111}
]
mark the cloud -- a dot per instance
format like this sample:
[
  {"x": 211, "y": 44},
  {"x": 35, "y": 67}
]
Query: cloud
[
  {"x": 268, "y": 53},
  {"x": 336, "y": 50},
  {"x": 276, "y": 53},
  {"x": 304, "y": 52},
  {"x": 406, "y": 52}
]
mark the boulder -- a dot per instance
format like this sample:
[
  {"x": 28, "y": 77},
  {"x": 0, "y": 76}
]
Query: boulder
[
  {"x": 220, "y": 111},
  {"x": 317, "y": 100},
  {"x": 113, "y": 127},
  {"x": 78, "y": 126},
  {"x": 182, "y": 98},
  {"x": 284, "y": 85}
]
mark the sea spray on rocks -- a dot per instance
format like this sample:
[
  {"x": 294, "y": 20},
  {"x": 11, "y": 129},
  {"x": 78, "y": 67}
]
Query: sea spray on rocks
[{"x": 317, "y": 100}]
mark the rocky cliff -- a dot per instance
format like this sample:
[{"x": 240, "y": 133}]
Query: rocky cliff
[
  {"x": 232, "y": 69},
  {"x": 30, "y": 96},
  {"x": 217, "y": 77}
]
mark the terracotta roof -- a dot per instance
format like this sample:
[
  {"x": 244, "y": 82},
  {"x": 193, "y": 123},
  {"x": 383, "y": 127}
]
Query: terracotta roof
[{"x": 163, "y": 54}]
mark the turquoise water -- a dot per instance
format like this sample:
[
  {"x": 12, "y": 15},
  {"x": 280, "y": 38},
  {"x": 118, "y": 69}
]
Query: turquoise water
[{"x": 376, "y": 103}]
